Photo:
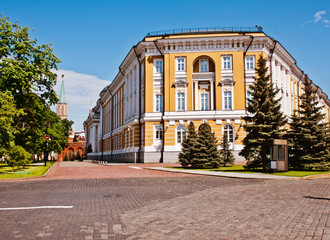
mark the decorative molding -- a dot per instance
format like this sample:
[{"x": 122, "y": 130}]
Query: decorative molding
[
  {"x": 227, "y": 82},
  {"x": 180, "y": 83}
]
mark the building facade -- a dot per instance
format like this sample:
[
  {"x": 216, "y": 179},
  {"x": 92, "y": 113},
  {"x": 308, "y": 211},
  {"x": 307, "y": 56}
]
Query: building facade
[{"x": 171, "y": 78}]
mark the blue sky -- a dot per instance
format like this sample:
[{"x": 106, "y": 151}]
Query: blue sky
[{"x": 93, "y": 37}]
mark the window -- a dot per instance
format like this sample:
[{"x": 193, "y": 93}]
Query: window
[
  {"x": 180, "y": 64},
  {"x": 158, "y": 66},
  {"x": 204, "y": 101},
  {"x": 248, "y": 97},
  {"x": 181, "y": 133},
  {"x": 230, "y": 133},
  {"x": 159, "y": 132},
  {"x": 249, "y": 63},
  {"x": 227, "y": 100},
  {"x": 159, "y": 103},
  {"x": 181, "y": 101},
  {"x": 226, "y": 62},
  {"x": 203, "y": 65}
]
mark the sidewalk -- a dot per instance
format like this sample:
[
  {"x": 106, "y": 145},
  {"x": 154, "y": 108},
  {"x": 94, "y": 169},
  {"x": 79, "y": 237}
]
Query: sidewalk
[{"x": 235, "y": 174}]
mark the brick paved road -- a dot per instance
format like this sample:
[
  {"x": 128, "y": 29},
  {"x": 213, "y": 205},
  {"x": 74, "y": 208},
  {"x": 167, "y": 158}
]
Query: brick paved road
[{"x": 164, "y": 207}]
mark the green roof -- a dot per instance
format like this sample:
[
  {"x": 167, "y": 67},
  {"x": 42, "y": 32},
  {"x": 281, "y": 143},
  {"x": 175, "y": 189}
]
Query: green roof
[{"x": 62, "y": 93}]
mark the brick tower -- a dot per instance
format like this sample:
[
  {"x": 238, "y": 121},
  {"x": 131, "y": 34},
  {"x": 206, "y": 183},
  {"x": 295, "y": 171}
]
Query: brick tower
[{"x": 62, "y": 106}]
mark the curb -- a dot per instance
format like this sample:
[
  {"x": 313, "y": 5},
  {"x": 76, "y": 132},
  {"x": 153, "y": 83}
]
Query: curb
[
  {"x": 227, "y": 175},
  {"x": 51, "y": 167}
]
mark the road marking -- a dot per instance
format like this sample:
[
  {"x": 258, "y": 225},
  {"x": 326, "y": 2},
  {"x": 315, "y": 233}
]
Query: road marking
[
  {"x": 37, "y": 207},
  {"x": 135, "y": 167}
]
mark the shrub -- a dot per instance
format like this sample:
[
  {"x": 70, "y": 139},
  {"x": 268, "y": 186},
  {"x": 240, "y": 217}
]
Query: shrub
[{"x": 18, "y": 156}]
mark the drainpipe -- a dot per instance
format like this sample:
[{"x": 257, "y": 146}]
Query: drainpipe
[
  {"x": 140, "y": 127},
  {"x": 244, "y": 55},
  {"x": 163, "y": 110}
]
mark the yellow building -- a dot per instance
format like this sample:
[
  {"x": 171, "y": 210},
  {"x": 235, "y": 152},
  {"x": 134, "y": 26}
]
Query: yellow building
[{"x": 171, "y": 78}]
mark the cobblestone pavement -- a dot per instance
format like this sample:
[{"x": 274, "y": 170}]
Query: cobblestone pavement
[
  {"x": 97, "y": 204},
  {"x": 163, "y": 206},
  {"x": 267, "y": 210}
]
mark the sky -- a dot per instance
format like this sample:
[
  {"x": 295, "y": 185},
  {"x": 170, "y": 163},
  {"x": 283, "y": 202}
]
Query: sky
[{"x": 92, "y": 37}]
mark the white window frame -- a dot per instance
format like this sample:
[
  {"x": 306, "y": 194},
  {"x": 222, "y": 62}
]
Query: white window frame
[
  {"x": 224, "y": 62},
  {"x": 178, "y": 101},
  {"x": 158, "y": 133},
  {"x": 247, "y": 64},
  {"x": 231, "y": 137},
  {"x": 158, "y": 69},
  {"x": 208, "y": 101},
  {"x": 181, "y": 131},
  {"x": 160, "y": 102},
  {"x": 225, "y": 100},
  {"x": 200, "y": 65},
  {"x": 180, "y": 66}
]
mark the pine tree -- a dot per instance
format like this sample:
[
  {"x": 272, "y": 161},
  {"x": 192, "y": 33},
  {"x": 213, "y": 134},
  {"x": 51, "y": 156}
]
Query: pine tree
[
  {"x": 66, "y": 158},
  {"x": 294, "y": 135},
  {"x": 206, "y": 153},
  {"x": 264, "y": 121},
  {"x": 187, "y": 153},
  {"x": 225, "y": 153},
  {"x": 309, "y": 136}
]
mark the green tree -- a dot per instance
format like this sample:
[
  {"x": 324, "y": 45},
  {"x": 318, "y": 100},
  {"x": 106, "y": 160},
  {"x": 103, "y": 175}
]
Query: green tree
[
  {"x": 8, "y": 112},
  {"x": 78, "y": 156},
  {"x": 187, "y": 150},
  {"x": 26, "y": 71},
  {"x": 66, "y": 158},
  {"x": 264, "y": 121},
  {"x": 225, "y": 153},
  {"x": 206, "y": 153},
  {"x": 17, "y": 156},
  {"x": 71, "y": 156},
  {"x": 26, "y": 67},
  {"x": 308, "y": 136}
]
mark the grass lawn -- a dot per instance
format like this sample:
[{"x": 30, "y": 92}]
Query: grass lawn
[
  {"x": 28, "y": 171},
  {"x": 241, "y": 169}
]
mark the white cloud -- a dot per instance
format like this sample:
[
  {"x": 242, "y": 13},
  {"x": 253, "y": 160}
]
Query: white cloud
[
  {"x": 80, "y": 90},
  {"x": 318, "y": 15},
  {"x": 319, "y": 18}
]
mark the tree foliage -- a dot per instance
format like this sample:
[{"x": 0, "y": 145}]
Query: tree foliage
[
  {"x": 264, "y": 121},
  {"x": 26, "y": 74},
  {"x": 308, "y": 137},
  {"x": 226, "y": 154},
  {"x": 8, "y": 113},
  {"x": 187, "y": 151},
  {"x": 205, "y": 149},
  {"x": 17, "y": 156},
  {"x": 25, "y": 66}
]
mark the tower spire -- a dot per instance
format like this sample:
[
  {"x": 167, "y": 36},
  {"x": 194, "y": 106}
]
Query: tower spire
[
  {"x": 62, "y": 106},
  {"x": 62, "y": 93}
]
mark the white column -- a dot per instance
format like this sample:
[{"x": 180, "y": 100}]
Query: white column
[
  {"x": 134, "y": 91},
  {"x": 282, "y": 79},
  {"x": 130, "y": 94},
  {"x": 196, "y": 95},
  {"x": 212, "y": 94},
  {"x": 288, "y": 98},
  {"x": 136, "y": 99}
]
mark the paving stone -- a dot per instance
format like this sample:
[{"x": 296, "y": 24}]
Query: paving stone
[{"x": 152, "y": 205}]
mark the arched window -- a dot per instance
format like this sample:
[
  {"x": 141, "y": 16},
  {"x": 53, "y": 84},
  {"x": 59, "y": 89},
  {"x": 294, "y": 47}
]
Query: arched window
[
  {"x": 230, "y": 132},
  {"x": 181, "y": 133}
]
